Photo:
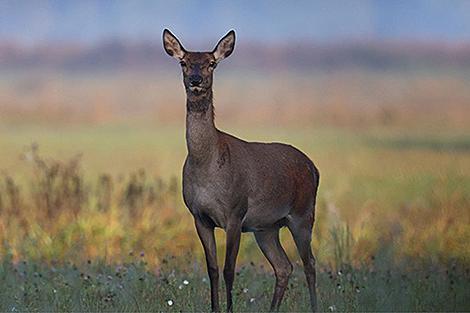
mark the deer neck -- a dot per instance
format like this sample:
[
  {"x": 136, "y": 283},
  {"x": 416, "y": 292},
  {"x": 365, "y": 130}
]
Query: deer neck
[{"x": 201, "y": 133}]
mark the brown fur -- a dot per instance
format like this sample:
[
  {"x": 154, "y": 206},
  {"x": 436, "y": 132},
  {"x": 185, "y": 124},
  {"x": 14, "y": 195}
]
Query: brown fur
[{"x": 242, "y": 186}]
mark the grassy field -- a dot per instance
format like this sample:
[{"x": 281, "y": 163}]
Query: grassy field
[
  {"x": 85, "y": 190},
  {"x": 391, "y": 233},
  {"x": 131, "y": 287}
]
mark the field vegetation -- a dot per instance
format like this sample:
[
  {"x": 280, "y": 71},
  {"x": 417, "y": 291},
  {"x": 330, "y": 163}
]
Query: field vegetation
[{"x": 92, "y": 219}]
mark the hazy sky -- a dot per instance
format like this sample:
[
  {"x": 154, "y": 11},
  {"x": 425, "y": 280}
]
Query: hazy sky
[{"x": 197, "y": 21}]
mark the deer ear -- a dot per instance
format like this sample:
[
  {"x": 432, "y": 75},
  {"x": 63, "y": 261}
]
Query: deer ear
[
  {"x": 172, "y": 45},
  {"x": 225, "y": 46}
]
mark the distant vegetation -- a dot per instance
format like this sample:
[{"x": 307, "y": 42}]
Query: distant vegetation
[{"x": 301, "y": 55}]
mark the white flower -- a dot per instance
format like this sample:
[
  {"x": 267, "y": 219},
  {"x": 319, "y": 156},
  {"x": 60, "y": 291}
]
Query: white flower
[
  {"x": 252, "y": 300},
  {"x": 170, "y": 302},
  {"x": 204, "y": 280},
  {"x": 245, "y": 290},
  {"x": 180, "y": 287},
  {"x": 185, "y": 282},
  {"x": 54, "y": 290},
  {"x": 332, "y": 308}
]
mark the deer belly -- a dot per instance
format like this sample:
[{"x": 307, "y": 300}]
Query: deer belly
[
  {"x": 257, "y": 221},
  {"x": 266, "y": 212}
]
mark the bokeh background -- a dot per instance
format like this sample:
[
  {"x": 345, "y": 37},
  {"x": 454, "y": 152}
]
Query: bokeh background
[{"x": 92, "y": 115}]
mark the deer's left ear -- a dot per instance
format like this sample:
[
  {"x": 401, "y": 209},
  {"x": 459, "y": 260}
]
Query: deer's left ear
[{"x": 225, "y": 46}]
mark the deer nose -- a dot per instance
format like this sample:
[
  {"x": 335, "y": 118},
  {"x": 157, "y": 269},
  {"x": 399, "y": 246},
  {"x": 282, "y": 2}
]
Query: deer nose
[{"x": 195, "y": 80}]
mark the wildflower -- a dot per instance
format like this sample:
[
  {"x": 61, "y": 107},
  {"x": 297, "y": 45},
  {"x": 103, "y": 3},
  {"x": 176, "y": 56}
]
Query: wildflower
[
  {"x": 54, "y": 290},
  {"x": 332, "y": 308},
  {"x": 170, "y": 302},
  {"x": 338, "y": 285},
  {"x": 204, "y": 280},
  {"x": 180, "y": 287},
  {"x": 185, "y": 282},
  {"x": 340, "y": 273},
  {"x": 252, "y": 300},
  {"x": 245, "y": 290},
  {"x": 358, "y": 290},
  {"x": 142, "y": 254}
]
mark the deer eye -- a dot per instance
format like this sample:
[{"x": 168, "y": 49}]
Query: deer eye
[
  {"x": 183, "y": 63},
  {"x": 212, "y": 64}
]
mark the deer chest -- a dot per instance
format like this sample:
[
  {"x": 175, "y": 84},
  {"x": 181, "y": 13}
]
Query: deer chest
[
  {"x": 210, "y": 194},
  {"x": 207, "y": 200}
]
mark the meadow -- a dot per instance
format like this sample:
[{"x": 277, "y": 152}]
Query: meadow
[{"x": 92, "y": 219}]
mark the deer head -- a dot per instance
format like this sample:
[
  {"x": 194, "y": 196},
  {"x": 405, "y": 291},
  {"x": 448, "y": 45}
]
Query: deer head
[{"x": 198, "y": 67}]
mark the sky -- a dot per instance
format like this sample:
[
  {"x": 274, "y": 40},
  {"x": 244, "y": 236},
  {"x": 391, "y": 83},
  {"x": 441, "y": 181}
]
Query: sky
[{"x": 39, "y": 21}]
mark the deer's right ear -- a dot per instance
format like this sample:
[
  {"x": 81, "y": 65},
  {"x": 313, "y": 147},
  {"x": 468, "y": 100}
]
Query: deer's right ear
[{"x": 172, "y": 45}]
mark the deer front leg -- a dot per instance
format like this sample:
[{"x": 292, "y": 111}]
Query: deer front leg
[
  {"x": 206, "y": 235},
  {"x": 233, "y": 231}
]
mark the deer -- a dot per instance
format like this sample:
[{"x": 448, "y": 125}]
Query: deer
[{"x": 241, "y": 186}]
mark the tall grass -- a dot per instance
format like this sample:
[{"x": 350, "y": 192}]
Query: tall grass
[{"x": 58, "y": 214}]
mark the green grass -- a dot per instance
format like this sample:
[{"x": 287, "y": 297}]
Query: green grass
[{"x": 132, "y": 287}]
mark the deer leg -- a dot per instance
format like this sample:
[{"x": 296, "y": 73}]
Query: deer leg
[
  {"x": 269, "y": 243},
  {"x": 302, "y": 234},
  {"x": 206, "y": 235},
  {"x": 233, "y": 231}
]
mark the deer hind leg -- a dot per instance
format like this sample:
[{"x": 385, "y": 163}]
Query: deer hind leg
[
  {"x": 269, "y": 243},
  {"x": 301, "y": 229}
]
